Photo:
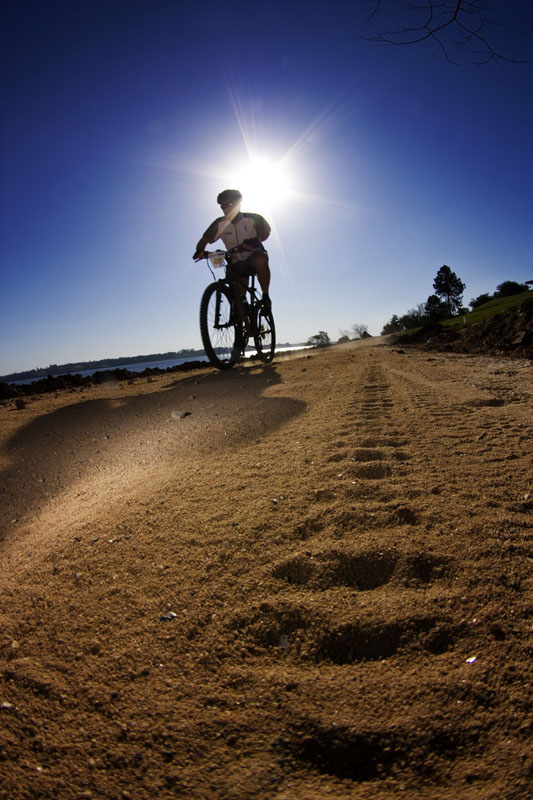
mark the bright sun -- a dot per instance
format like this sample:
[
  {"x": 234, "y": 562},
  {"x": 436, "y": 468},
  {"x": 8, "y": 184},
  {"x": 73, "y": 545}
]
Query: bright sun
[{"x": 264, "y": 184}]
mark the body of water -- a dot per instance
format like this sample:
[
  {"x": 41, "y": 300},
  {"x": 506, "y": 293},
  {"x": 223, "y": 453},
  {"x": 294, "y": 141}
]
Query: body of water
[{"x": 140, "y": 367}]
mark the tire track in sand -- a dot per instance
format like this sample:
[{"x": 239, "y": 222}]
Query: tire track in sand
[{"x": 373, "y": 587}]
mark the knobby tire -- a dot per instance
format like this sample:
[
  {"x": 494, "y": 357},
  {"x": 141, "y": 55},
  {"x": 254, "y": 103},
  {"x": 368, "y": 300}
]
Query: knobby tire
[
  {"x": 218, "y": 326},
  {"x": 265, "y": 335}
]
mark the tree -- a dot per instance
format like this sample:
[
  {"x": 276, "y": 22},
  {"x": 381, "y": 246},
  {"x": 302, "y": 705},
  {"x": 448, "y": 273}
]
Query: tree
[
  {"x": 475, "y": 31},
  {"x": 508, "y": 288},
  {"x": 392, "y": 326},
  {"x": 358, "y": 329},
  {"x": 448, "y": 286},
  {"x": 413, "y": 319},
  {"x": 480, "y": 300},
  {"x": 435, "y": 309},
  {"x": 320, "y": 339},
  {"x": 344, "y": 336}
]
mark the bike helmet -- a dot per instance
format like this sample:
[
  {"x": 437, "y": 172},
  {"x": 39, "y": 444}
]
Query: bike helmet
[{"x": 229, "y": 196}]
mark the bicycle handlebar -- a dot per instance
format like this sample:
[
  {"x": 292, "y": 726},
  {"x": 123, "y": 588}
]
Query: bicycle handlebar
[{"x": 226, "y": 253}]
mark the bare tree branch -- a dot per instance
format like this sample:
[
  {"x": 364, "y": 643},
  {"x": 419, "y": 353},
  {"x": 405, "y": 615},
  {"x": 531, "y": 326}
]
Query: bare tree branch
[
  {"x": 374, "y": 11},
  {"x": 466, "y": 27}
]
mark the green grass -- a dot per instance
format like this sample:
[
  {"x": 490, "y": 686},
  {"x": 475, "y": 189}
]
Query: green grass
[{"x": 487, "y": 310}]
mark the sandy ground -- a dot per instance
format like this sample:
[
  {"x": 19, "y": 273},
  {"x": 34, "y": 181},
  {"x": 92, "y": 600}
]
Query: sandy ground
[{"x": 312, "y": 580}]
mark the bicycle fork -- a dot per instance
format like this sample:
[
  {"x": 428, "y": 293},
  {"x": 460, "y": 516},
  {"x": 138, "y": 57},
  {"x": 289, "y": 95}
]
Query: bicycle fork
[{"x": 220, "y": 321}]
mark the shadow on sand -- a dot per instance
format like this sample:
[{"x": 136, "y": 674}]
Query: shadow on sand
[{"x": 74, "y": 442}]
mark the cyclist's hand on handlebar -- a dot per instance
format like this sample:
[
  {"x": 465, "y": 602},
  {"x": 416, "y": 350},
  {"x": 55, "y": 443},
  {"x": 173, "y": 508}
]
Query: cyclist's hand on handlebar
[{"x": 199, "y": 255}]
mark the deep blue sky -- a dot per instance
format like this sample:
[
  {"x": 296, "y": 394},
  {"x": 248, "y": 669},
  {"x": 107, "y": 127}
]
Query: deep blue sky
[{"x": 123, "y": 120}]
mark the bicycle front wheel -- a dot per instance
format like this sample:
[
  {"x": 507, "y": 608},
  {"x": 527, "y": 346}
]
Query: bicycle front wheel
[
  {"x": 265, "y": 335},
  {"x": 219, "y": 327}
]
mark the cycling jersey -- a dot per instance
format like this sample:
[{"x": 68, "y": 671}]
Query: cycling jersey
[{"x": 246, "y": 229}]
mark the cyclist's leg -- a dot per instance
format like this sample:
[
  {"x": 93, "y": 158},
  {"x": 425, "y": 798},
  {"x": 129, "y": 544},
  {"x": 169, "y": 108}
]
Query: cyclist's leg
[
  {"x": 240, "y": 286},
  {"x": 239, "y": 274},
  {"x": 258, "y": 262}
]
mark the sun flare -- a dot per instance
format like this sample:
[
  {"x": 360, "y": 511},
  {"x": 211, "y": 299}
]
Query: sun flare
[{"x": 263, "y": 183}]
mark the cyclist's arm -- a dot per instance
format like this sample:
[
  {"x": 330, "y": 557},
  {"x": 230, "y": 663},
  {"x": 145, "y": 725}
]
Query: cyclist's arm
[
  {"x": 200, "y": 248},
  {"x": 208, "y": 237},
  {"x": 262, "y": 227}
]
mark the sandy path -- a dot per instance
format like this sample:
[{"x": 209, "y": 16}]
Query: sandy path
[{"x": 315, "y": 584}]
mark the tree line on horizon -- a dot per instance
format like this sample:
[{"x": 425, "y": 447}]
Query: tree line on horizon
[
  {"x": 103, "y": 363},
  {"x": 447, "y": 302},
  {"x": 321, "y": 339}
]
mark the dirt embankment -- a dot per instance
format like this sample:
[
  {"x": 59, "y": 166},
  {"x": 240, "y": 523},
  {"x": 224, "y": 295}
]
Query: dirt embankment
[
  {"x": 509, "y": 333},
  {"x": 304, "y": 580}
]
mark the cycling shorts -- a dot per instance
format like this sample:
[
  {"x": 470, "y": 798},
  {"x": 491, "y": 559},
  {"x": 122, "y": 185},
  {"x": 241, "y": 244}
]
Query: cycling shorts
[{"x": 243, "y": 269}]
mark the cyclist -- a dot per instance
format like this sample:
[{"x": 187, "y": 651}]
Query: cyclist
[{"x": 243, "y": 235}]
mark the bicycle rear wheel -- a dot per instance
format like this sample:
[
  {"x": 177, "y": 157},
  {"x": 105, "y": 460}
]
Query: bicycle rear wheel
[
  {"x": 265, "y": 335},
  {"x": 219, "y": 327}
]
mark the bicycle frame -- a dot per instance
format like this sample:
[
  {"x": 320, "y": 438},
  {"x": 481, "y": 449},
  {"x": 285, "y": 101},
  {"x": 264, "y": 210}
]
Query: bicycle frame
[
  {"x": 250, "y": 308},
  {"x": 228, "y": 319}
]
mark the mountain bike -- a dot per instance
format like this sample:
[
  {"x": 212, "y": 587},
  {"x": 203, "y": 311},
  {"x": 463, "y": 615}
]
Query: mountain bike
[{"x": 224, "y": 335}]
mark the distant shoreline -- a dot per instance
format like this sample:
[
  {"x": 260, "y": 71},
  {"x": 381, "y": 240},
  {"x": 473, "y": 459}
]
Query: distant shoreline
[
  {"x": 58, "y": 370},
  {"x": 55, "y": 370}
]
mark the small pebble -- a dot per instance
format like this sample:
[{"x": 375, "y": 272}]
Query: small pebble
[{"x": 179, "y": 414}]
